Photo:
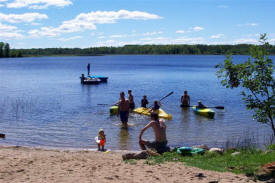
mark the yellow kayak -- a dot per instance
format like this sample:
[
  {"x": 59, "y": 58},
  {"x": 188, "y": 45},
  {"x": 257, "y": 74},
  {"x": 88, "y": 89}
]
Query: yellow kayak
[{"x": 146, "y": 111}]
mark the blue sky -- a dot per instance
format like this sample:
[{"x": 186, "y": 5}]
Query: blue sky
[{"x": 93, "y": 23}]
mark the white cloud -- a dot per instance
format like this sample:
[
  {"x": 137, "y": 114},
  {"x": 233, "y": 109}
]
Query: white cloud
[
  {"x": 153, "y": 40},
  {"x": 180, "y": 31},
  {"x": 101, "y": 37},
  {"x": 152, "y": 33},
  {"x": 88, "y": 21},
  {"x": 38, "y": 4},
  {"x": 197, "y": 28},
  {"x": 167, "y": 40},
  {"x": 108, "y": 43},
  {"x": 223, "y": 6},
  {"x": 70, "y": 38},
  {"x": 1, "y": 5},
  {"x": 217, "y": 36},
  {"x": 189, "y": 40},
  {"x": 118, "y": 36},
  {"x": 26, "y": 17},
  {"x": 9, "y": 32},
  {"x": 7, "y": 28},
  {"x": 248, "y": 24},
  {"x": 246, "y": 41}
]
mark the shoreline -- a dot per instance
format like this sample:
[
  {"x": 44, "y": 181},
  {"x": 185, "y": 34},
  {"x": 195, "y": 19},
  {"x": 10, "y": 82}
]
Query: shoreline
[
  {"x": 72, "y": 149},
  {"x": 22, "y": 164}
]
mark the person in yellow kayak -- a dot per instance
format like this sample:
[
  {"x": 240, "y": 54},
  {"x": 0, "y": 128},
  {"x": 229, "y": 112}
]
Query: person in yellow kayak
[
  {"x": 144, "y": 101},
  {"x": 185, "y": 99},
  {"x": 156, "y": 106},
  {"x": 159, "y": 128},
  {"x": 123, "y": 108}
]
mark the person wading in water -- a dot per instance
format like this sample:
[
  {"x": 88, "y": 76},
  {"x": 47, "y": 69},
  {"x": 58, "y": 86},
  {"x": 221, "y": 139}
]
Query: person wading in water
[
  {"x": 185, "y": 100},
  {"x": 123, "y": 108}
]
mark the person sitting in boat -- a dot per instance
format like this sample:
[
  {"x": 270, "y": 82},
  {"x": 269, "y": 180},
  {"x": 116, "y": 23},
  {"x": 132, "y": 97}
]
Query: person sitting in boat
[
  {"x": 200, "y": 105},
  {"x": 156, "y": 106},
  {"x": 131, "y": 100},
  {"x": 160, "y": 143},
  {"x": 100, "y": 140},
  {"x": 185, "y": 100},
  {"x": 144, "y": 102}
]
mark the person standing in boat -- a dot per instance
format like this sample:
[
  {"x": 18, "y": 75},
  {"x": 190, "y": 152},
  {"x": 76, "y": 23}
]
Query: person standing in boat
[
  {"x": 131, "y": 100},
  {"x": 88, "y": 68},
  {"x": 123, "y": 108},
  {"x": 144, "y": 102},
  {"x": 185, "y": 100}
]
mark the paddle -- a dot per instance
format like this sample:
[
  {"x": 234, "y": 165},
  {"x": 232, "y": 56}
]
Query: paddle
[
  {"x": 108, "y": 104},
  {"x": 166, "y": 96},
  {"x": 217, "y": 107},
  {"x": 162, "y": 98}
]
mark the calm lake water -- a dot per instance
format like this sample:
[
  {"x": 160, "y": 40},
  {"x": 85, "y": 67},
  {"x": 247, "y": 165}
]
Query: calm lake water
[{"x": 42, "y": 102}]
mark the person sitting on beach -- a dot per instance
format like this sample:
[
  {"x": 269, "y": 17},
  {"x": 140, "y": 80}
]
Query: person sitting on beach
[
  {"x": 160, "y": 143},
  {"x": 144, "y": 102},
  {"x": 123, "y": 108},
  {"x": 200, "y": 105},
  {"x": 185, "y": 100},
  {"x": 156, "y": 106},
  {"x": 131, "y": 100},
  {"x": 100, "y": 140}
]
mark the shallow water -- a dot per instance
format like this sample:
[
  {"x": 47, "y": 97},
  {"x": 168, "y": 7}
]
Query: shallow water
[{"x": 42, "y": 102}]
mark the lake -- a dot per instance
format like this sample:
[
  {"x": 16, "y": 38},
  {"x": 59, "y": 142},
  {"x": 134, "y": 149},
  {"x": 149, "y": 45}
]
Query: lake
[{"x": 42, "y": 102}]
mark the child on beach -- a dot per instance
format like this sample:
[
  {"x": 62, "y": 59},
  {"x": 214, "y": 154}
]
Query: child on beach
[{"x": 100, "y": 140}]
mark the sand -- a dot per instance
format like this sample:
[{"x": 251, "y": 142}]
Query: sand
[{"x": 21, "y": 164}]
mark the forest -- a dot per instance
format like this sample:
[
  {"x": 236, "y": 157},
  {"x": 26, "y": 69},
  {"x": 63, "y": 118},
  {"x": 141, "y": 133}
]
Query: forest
[
  {"x": 6, "y": 52},
  {"x": 240, "y": 49},
  {"x": 199, "y": 49}
]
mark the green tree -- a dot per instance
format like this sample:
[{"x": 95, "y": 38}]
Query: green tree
[
  {"x": 6, "y": 50},
  {"x": 1, "y": 49},
  {"x": 255, "y": 77}
]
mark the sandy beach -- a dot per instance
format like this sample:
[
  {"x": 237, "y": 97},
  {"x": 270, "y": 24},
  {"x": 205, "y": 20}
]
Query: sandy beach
[{"x": 22, "y": 164}]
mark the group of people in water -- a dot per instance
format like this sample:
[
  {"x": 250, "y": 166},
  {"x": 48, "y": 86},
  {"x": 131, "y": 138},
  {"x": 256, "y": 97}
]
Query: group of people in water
[
  {"x": 127, "y": 105},
  {"x": 158, "y": 125}
]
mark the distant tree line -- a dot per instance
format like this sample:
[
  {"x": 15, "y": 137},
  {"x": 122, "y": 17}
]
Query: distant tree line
[
  {"x": 5, "y": 51},
  {"x": 240, "y": 49}
]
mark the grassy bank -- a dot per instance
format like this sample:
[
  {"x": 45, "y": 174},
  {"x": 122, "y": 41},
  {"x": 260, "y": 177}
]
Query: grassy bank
[{"x": 246, "y": 162}]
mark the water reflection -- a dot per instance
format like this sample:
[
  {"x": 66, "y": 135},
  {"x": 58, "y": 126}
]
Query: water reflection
[
  {"x": 185, "y": 111},
  {"x": 124, "y": 139}
]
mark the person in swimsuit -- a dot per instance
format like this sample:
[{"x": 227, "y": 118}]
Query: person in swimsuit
[
  {"x": 131, "y": 100},
  {"x": 123, "y": 108},
  {"x": 159, "y": 128},
  {"x": 144, "y": 102},
  {"x": 100, "y": 140},
  {"x": 185, "y": 100}
]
